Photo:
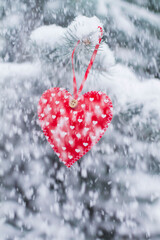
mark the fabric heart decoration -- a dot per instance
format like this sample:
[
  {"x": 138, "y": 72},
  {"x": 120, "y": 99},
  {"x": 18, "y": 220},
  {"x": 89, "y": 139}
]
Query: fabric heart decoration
[
  {"x": 74, "y": 126},
  {"x": 72, "y": 132}
]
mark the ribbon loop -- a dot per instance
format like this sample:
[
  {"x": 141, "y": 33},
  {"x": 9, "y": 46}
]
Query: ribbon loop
[{"x": 88, "y": 68}]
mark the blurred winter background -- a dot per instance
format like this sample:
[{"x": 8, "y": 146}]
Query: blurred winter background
[{"x": 113, "y": 192}]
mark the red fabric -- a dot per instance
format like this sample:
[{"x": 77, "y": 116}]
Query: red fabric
[{"x": 73, "y": 132}]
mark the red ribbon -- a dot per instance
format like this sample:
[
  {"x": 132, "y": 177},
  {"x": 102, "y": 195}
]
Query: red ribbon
[{"x": 88, "y": 68}]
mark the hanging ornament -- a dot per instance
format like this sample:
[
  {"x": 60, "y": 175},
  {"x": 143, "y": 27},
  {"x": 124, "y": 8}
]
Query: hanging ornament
[{"x": 73, "y": 125}]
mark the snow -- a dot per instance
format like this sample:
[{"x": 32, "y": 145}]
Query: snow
[
  {"x": 140, "y": 185},
  {"x": 83, "y": 27},
  {"x": 11, "y": 22},
  {"x": 19, "y": 71},
  {"x": 122, "y": 6},
  {"x": 134, "y": 91},
  {"x": 48, "y": 36},
  {"x": 102, "y": 62}
]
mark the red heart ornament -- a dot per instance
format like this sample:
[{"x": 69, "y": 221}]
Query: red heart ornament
[{"x": 73, "y": 132}]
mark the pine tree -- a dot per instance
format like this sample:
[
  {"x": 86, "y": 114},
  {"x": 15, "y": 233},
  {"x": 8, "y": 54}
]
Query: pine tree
[{"x": 112, "y": 193}]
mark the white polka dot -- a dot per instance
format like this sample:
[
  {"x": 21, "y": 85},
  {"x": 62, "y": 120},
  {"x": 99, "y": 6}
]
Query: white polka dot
[
  {"x": 93, "y": 137},
  {"x": 70, "y": 156},
  {"x": 47, "y": 123},
  {"x": 57, "y": 102},
  {"x": 97, "y": 107},
  {"x": 64, "y": 148},
  {"x": 71, "y": 142},
  {"x": 94, "y": 122},
  {"x": 80, "y": 120},
  {"x": 103, "y": 115},
  {"x": 61, "y": 110},
  {"x": 44, "y": 100},
  {"x": 77, "y": 150},
  {"x": 63, "y": 134},
  {"x": 78, "y": 135},
  {"x": 106, "y": 100},
  {"x": 83, "y": 105},
  {"x": 49, "y": 108},
  {"x": 86, "y": 129},
  {"x": 53, "y": 116},
  {"x": 42, "y": 114},
  {"x": 52, "y": 94},
  {"x": 85, "y": 144},
  {"x": 72, "y": 127},
  {"x": 91, "y": 99}
]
